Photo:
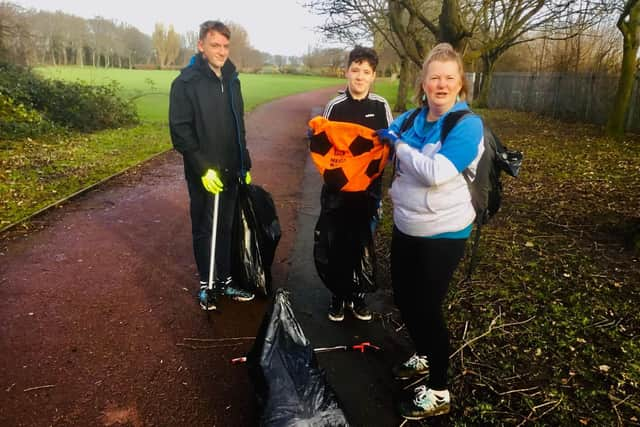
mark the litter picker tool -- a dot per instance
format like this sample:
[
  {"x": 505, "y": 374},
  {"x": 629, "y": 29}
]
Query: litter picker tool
[
  {"x": 356, "y": 347},
  {"x": 212, "y": 256}
]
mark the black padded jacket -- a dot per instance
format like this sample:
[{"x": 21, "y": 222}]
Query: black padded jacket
[{"x": 206, "y": 120}]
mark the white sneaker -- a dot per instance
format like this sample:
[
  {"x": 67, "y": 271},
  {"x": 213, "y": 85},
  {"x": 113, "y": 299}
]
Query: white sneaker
[
  {"x": 425, "y": 403},
  {"x": 416, "y": 365}
]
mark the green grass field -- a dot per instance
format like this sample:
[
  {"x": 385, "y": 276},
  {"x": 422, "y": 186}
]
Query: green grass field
[{"x": 150, "y": 88}]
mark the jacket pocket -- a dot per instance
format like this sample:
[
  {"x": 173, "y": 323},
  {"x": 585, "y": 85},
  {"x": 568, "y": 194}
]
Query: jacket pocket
[{"x": 409, "y": 198}]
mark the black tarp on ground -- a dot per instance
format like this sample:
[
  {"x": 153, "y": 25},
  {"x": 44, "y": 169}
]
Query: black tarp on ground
[{"x": 291, "y": 389}]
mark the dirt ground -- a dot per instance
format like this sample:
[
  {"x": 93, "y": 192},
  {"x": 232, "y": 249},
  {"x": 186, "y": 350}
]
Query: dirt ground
[{"x": 98, "y": 320}]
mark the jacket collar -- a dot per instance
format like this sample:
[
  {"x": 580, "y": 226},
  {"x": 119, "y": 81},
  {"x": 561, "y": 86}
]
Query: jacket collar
[
  {"x": 419, "y": 123},
  {"x": 348, "y": 94},
  {"x": 201, "y": 64}
]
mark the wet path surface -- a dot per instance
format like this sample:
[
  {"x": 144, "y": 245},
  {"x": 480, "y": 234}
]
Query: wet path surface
[{"x": 98, "y": 320}]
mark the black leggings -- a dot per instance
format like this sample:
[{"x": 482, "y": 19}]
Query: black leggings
[
  {"x": 201, "y": 207},
  {"x": 421, "y": 270}
]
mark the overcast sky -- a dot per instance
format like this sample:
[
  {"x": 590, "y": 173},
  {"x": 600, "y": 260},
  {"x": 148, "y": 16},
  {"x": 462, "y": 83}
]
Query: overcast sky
[{"x": 281, "y": 27}]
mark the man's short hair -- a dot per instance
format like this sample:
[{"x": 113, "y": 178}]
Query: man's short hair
[
  {"x": 217, "y": 26},
  {"x": 361, "y": 53}
]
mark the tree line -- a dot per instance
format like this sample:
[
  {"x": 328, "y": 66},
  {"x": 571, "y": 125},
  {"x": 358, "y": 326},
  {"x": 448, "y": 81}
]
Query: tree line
[
  {"x": 488, "y": 32},
  {"x": 37, "y": 37}
]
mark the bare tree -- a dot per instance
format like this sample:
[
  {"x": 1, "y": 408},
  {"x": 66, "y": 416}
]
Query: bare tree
[
  {"x": 504, "y": 24},
  {"x": 159, "y": 39},
  {"x": 15, "y": 34},
  {"x": 173, "y": 45},
  {"x": 409, "y": 26},
  {"x": 629, "y": 26},
  {"x": 137, "y": 45},
  {"x": 358, "y": 21},
  {"x": 190, "y": 41}
]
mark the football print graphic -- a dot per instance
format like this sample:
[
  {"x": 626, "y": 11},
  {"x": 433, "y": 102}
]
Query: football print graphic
[{"x": 347, "y": 155}]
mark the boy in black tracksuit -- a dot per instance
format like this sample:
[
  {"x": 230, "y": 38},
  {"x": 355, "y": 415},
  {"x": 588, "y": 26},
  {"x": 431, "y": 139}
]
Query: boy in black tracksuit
[
  {"x": 207, "y": 127},
  {"x": 356, "y": 105}
]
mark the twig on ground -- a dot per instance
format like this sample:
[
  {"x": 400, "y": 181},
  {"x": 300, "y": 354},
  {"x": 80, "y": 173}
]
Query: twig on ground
[
  {"x": 464, "y": 335},
  {"x": 205, "y": 347},
  {"x": 218, "y": 339},
  {"x": 624, "y": 401},
  {"x": 40, "y": 387},
  {"x": 521, "y": 390},
  {"x": 488, "y": 331},
  {"x": 548, "y": 410}
]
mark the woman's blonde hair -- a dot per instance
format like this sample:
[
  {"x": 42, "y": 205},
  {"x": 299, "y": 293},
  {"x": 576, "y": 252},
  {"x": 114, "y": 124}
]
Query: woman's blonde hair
[{"x": 441, "y": 52}]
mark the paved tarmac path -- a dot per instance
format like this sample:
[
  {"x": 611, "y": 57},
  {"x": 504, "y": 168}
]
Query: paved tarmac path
[{"x": 99, "y": 325}]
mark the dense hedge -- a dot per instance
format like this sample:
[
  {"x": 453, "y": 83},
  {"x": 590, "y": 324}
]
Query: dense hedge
[
  {"x": 30, "y": 104},
  {"x": 17, "y": 120}
]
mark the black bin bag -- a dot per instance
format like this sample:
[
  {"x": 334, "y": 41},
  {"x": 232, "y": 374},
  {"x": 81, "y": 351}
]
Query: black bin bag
[
  {"x": 343, "y": 249},
  {"x": 256, "y": 236},
  {"x": 291, "y": 389}
]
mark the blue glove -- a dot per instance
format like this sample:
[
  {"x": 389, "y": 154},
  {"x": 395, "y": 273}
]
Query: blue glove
[{"x": 387, "y": 136}]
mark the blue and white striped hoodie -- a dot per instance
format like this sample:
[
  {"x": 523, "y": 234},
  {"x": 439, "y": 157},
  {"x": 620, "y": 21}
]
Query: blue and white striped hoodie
[{"x": 430, "y": 195}]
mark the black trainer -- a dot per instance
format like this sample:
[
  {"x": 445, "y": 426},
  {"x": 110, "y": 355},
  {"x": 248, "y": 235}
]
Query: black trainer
[
  {"x": 359, "y": 308},
  {"x": 228, "y": 289},
  {"x": 336, "y": 310},
  {"x": 207, "y": 298}
]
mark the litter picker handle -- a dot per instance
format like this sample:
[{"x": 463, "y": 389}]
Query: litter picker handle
[
  {"x": 356, "y": 347},
  {"x": 214, "y": 236}
]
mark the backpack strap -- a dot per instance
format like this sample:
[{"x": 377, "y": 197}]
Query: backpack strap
[
  {"x": 450, "y": 121},
  {"x": 408, "y": 122}
]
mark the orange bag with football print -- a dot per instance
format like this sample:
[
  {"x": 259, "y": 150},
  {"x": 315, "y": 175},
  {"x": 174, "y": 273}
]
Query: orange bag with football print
[{"x": 347, "y": 155}]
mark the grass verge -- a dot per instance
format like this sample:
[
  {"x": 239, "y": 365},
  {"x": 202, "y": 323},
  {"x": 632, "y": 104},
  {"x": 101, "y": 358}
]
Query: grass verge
[{"x": 37, "y": 172}]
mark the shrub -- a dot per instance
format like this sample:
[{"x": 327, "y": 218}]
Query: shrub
[
  {"x": 16, "y": 120},
  {"x": 76, "y": 106},
  {"x": 85, "y": 107},
  {"x": 146, "y": 67}
]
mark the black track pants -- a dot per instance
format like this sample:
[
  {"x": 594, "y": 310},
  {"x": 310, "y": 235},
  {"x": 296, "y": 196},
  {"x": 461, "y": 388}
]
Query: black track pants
[
  {"x": 201, "y": 207},
  {"x": 421, "y": 270}
]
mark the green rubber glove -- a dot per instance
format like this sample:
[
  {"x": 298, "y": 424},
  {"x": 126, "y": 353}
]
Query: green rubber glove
[
  {"x": 211, "y": 182},
  {"x": 247, "y": 178}
]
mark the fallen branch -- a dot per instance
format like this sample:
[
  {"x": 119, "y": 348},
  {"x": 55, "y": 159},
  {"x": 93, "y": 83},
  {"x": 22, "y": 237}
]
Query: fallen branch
[
  {"x": 218, "y": 339},
  {"x": 518, "y": 391},
  {"x": 491, "y": 328},
  {"x": 619, "y": 402},
  {"x": 548, "y": 410},
  {"x": 205, "y": 347},
  {"x": 40, "y": 387}
]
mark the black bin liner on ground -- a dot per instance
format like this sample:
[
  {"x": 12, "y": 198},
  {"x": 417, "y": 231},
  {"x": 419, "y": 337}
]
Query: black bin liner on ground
[
  {"x": 291, "y": 389},
  {"x": 256, "y": 236}
]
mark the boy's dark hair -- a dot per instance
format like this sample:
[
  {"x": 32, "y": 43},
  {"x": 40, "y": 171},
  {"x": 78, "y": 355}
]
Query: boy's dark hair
[
  {"x": 216, "y": 26},
  {"x": 361, "y": 54}
]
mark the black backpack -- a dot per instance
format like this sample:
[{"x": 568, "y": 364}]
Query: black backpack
[{"x": 486, "y": 187}]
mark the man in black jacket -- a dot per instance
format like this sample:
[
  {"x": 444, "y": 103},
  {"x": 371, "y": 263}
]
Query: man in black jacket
[{"x": 207, "y": 126}]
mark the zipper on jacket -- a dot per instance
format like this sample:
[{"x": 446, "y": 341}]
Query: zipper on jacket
[{"x": 235, "y": 115}]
